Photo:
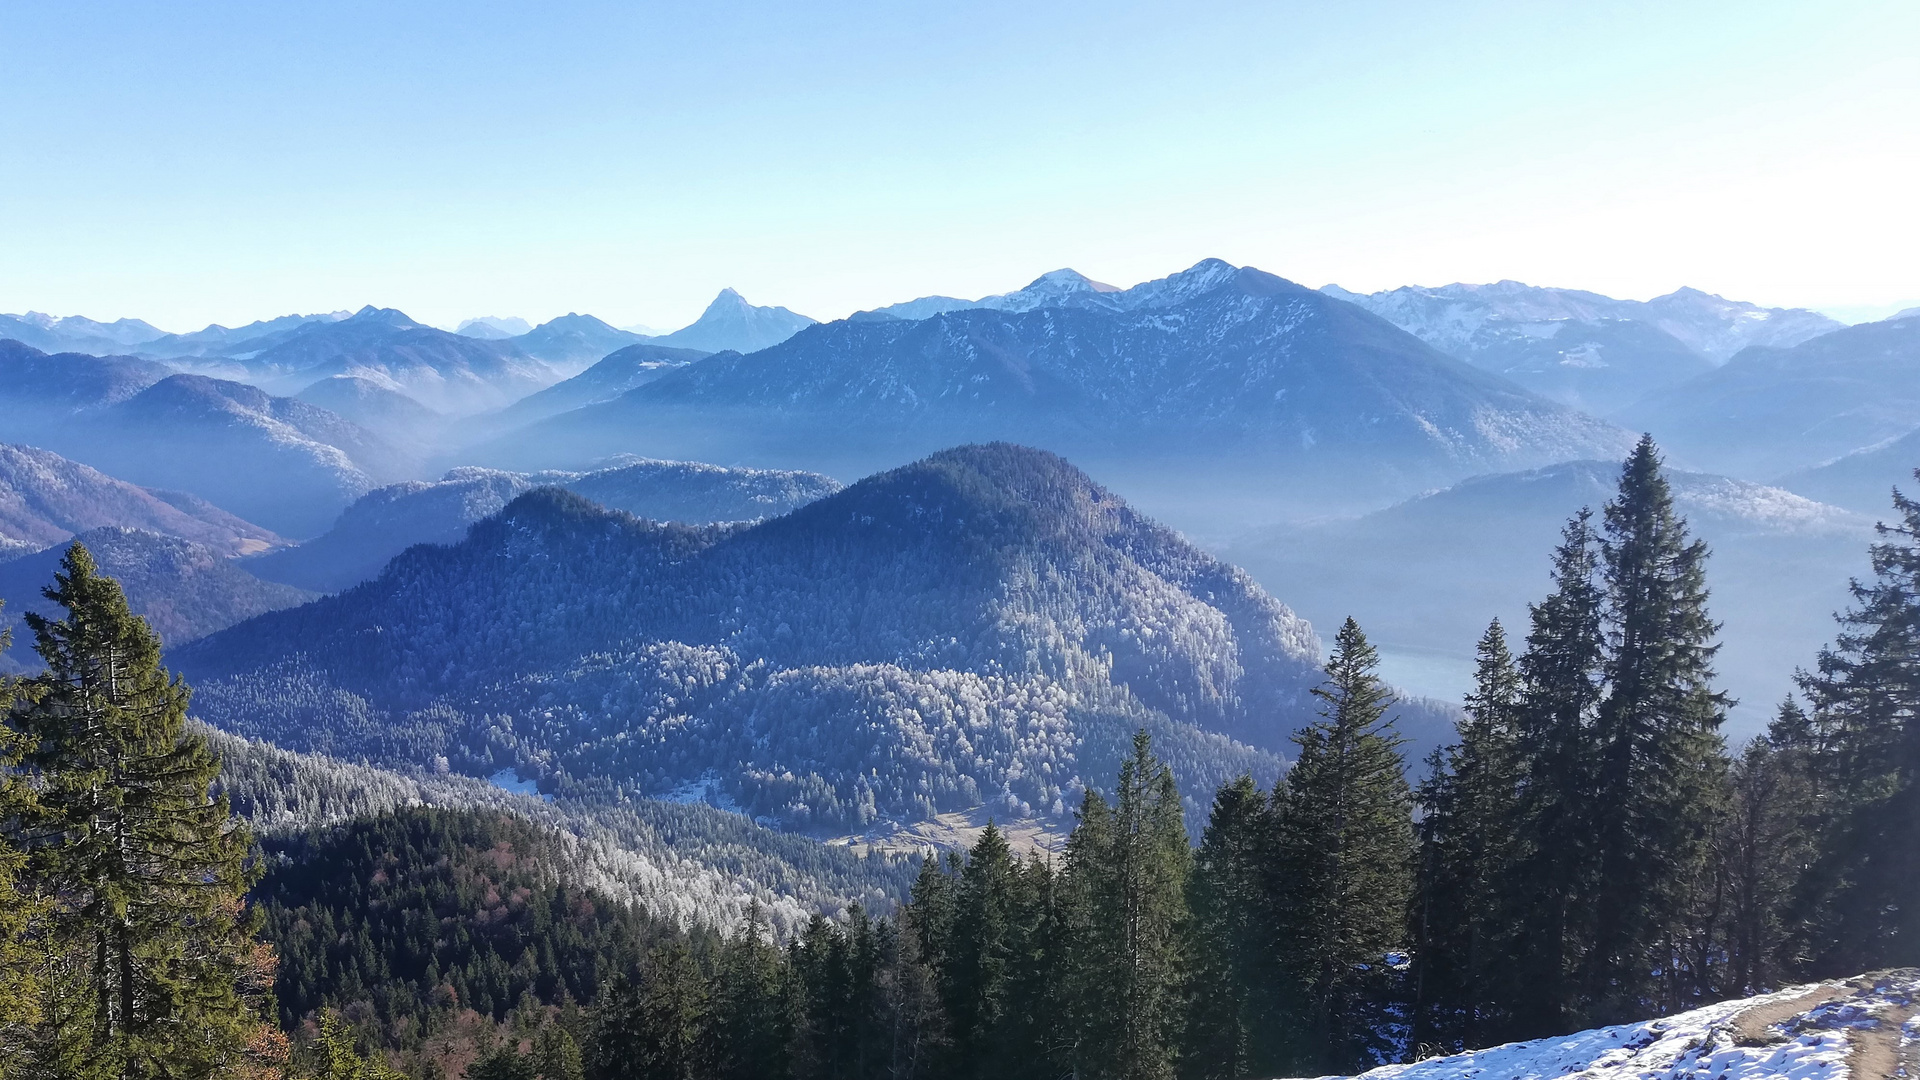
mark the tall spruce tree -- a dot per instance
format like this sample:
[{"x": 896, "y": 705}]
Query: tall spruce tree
[
  {"x": 20, "y": 967},
  {"x": 750, "y": 1017},
  {"x": 1659, "y": 780},
  {"x": 1343, "y": 862},
  {"x": 157, "y": 973},
  {"x": 1463, "y": 941},
  {"x": 979, "y": 962},
  {"x": 1856, "y": 906},
  {"x": 1548, "y": 889},
  {"x": 1127, "y": 866},
  {"x": 1232, "y": 1015},
  {"x": 1038, "y": 1044},
  {"x": 1761, "y": 851}
]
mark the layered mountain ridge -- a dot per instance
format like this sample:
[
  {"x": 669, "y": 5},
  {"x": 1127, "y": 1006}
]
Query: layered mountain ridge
[
  {"x": 984, "y": 627},
  {"x": 1231, "y": 367},
  {"x": 387, "y": 521}
]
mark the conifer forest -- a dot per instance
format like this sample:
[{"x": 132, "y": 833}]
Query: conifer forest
[{"x": 1585, "y": 849}]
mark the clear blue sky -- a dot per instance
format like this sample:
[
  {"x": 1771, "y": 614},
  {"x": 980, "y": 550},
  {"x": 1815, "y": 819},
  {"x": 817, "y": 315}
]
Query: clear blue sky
[{"x": 188, "y": 163}]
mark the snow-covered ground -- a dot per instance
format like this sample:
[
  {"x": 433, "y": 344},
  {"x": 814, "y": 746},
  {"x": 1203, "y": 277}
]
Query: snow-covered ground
[{"x": 1860, "y": 1029}]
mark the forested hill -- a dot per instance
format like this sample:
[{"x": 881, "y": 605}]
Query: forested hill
[{"x": 987, "y": 626}]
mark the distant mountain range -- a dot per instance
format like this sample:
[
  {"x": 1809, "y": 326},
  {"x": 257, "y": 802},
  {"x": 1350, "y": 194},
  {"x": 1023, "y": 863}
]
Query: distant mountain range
[
  {"x": 494, "y": 328},
  {"x": 289, "y": 465},
  {"x": 1214, "y": 375},
  {"x": 77, "y": 334},
  {"x": 217, "y": 340},
  {"x": 1582, "y": 348},
  {"x": 1864, "y": 480},
  {"x": 1058, "y": 288},
  {"x": 730, "y": 323},
  {"x": 986, "y": 627},
  {"x": 185, "y": 590},
  {"x": 1425, "y": 576},
  {"x": 446, "y": 372},
  {"x": 385, "y": 522},
  {"x": 617, "y": 373},
  {"x": 45, "y": 499},
  {"x": 573, "y": 342},
  {"x": 1771, "y": 410},
  {"x": 379, "y": 408}
]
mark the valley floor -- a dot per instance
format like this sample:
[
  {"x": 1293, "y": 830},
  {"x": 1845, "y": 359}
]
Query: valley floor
[{"x": 1859, "y": 1029}]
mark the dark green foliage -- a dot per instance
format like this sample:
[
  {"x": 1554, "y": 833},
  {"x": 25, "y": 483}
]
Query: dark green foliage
[
  {"x": 425, "y": 909},
  {"x": 156, "y": 973},
  {"x": 1578, "y": 863},
  {"x": 1232, "y": 1011},
  {"x": 1552, "y": 879},
  {"x": 1763, "y": 847},
  {"x": 1126, "y": 877},
  {"x": 1343, "y": 865},
  {"x": 1659, "y": 780},
  {"x": 1463, "y": 943},
  {"x": 1856, "y": 904}
]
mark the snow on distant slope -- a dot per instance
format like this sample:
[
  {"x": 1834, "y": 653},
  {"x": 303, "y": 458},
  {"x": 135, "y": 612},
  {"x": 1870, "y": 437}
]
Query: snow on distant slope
[{"x": 1861, "y": 1029}]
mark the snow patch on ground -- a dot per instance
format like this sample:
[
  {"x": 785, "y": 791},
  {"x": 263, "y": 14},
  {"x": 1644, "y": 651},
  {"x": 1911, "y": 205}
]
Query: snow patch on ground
[
  {"x": 508, "y": 780},
  {"x": 1834, "y": 1036}
]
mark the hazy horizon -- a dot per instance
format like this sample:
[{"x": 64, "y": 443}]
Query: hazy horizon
[{"x": 230, "y": 162}]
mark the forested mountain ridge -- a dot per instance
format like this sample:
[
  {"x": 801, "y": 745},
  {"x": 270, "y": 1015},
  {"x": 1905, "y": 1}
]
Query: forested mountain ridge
[
  {"x": 387, "y": 521},
  {"x": 987, "y": 626},
  {"x": 686, "y": 864},
  {"x": 1771, "y": 411},
  {"x": 1425, "y": 574},
  {"x": 1216, "y": 374},
  {"x": 185, "y": 590},
  {"x": 44, "y": 388},
  {"x": 45, "y": 498},
  {"x": 446, "y": 372},
  {"x": 282, "y": 462},
  {"x": 614, "y": 374}
]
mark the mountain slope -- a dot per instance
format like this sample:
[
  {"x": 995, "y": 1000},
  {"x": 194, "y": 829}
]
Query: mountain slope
[
  {"x": 1864, "y": 480},
  {"x": 217, "y": 340},
  {"x": 689, "y": 864},
  {"x": 185, "y": 590},
  {"x": 494, "y": 327},
  {"x": 1455, "y": 317},
  {"x": 1769, "y": 411},
  {"x": 985, "y": 627},
  {"x": 39, "y": 390},
  {"x": 446, "y": 372},
  {"x": 45, "y": 498},
  {"x": 1215, "y": 375},
  {"x": 574, "y": 341},
  {"x": 1057, "y": 288},
  {"x": 1850, "y": 1028},
  {"x": 1582, "y": 348},
  {"x": 730, "y": 323},
  {"x": 1425, "y": 576},
  {"x": 383, "y": 523},
  {"x": 284, "y": 463},
  {"x": 378, "y": 408},
  {"x": 615, "y": 374},
  {"x": 76, "y": 333}
]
